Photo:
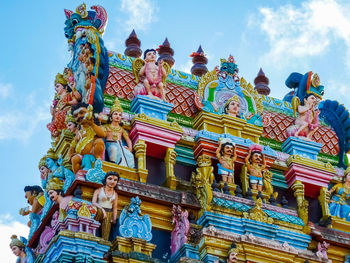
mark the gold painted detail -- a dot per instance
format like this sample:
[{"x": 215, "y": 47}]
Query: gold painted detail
[
  {"x": 84, "y": 211},
  {"x": 302, "y": 204},
  {"x": 257, "y": 214},
  {"x": 324, "y": 199},
  {"x": 210, "y": 76},
  {"x": 170, "y": 160},
  {"x": 327, "y": 167},
  {"x": 252, "y": 93},
  {"x": 202, "y": 180},
  {"x": 174, "y": 126}
]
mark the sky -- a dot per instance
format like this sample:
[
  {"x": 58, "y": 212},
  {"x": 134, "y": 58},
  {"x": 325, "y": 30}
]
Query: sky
[{"x": 280, "y": 36}]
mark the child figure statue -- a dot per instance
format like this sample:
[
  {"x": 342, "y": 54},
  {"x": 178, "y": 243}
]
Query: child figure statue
[
  {"x": 255, "y": 162},
  {"x": 226, "y": 154},
  {"x": 105, "y": 199},
  {"x": 153, "y": 73}
]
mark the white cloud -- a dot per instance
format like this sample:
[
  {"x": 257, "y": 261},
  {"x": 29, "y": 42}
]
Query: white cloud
[
  {"x": 5, "y": 90},
  {"x": 9, "y": 227},
  {"x": 185, "y": 67},
  {"x": 305, "y": 31},
  {"x": 141, "y": 13}
]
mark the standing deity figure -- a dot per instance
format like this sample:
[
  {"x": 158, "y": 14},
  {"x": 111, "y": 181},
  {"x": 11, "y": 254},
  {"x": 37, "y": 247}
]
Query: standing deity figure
[
  {"x": 105, "y": 199},
  {"x": 232, "y": 107},
  {"x": 35, "y": 198},
  {"x": 61, "y": 104},
  {"x": 153, "y": 73},
  {"x": 88, "y": 144},
  {"x": 307, "y": 123},
  {"x": 226, "y": 154},
  {"x": 181, "y": 229},
  {"x": 255, "y": 162},
  {"x": 340, "y": 202},
  {"x": 115, "y": 134}
]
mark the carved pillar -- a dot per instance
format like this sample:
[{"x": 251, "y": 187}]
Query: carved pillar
[
  {"x": 140, "y": 153},
  {"x": 202, "y": 180},
  {"x": 170, "y": 160},
  {"x": 298, "y": 189},
  {"x": 324, "y": 201}
]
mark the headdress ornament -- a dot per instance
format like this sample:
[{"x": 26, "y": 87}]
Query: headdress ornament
[
  {"x": 60, "y": 79},
  {"x": 116, "y": 106},
  {"x": 16, "y": 242},
  {"x": 54, "y": 184},
  {"x": 233, "y": 98},
  {"x": 42, "y": 161},
  {"x": 51, "y": 154},
  {"x": 70, "y": 118},
  {"x": 256, "y": 148},
  {"x": 227, "y": 140},
  {"x": 81, "y": 10},
  {"x": 234, "y": 249}
]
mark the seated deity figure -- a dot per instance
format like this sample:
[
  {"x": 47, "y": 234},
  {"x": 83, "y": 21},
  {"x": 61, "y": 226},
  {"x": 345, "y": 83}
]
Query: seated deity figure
[
  {"x": 307, "y": 123},
  {"x": 61, "y": 104},
  {"x": 226, "y": 154},
  {"x": 105, "y": 199},
  {"x": 255, "y": 162},
  {"x": 153, "y": 73},
  {"x": 115, "y": 133},
  {"x": 35, "y": 198},
  {"x": 18, "y": 249},
  {"x": 88, "y": 144},
  {"x": 232, "y": 106},
  {"x": 340, "y": 201}
]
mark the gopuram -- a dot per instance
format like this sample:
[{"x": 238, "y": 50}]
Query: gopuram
[{"x": 151, "y": 164}]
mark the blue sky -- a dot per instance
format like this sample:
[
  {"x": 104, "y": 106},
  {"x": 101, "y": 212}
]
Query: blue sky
[{"x": 279, "y": 36}]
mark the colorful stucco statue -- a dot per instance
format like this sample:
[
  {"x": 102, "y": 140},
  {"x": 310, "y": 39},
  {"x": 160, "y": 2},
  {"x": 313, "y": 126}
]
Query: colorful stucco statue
[
  {"x": 89, "y": 62},
  {"x": 322, "y": 248},
  {"x": 226, "y": 154},
  {"x": 153, "y": 75},
  {"x": 20, "y": 250},
  {"x": 306, "y": 96},
  {"x": 232, "y": 106},
  {"x": 60, "y": 106},
  {"x": 88, "y": 144},
  {"x": 255, "y": 162},
  {"x": 105, "y": 199},
  {"x": 340, "y": 200},
  {"x": 132, "y": 224},
  {"x": 181, "y": 229},
  {"x": 117, "y": 137}
]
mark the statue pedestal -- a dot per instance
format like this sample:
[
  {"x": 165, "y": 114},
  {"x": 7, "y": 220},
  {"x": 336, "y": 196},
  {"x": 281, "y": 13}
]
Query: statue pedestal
[
  {"x": 304, "y": 148},
  {"x": 186, "y": 251},
  {"x": 313, "y": 174},
  {"x": 151, "y": 107}
]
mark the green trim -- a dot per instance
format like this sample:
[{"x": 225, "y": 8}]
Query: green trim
[
  {"x": 275, "y": 145},
  {"x": 327, "y": 158},
  {"x": 180, "y": 119},
  {"x": 185, "y": 156}
]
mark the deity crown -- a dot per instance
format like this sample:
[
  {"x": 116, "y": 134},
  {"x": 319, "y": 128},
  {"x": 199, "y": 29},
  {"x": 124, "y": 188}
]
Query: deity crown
[{"x": 116, "y": 106}]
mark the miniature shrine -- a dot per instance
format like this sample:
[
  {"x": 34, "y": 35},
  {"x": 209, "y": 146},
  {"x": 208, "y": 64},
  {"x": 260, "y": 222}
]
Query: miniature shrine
[{"x": 151, "y": 164}]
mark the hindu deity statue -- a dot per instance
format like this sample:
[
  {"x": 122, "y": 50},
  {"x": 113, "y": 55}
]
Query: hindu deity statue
[
  {"x": 340, "y": 201},
  {"x": 72, "y": 124},
  {"x": 255, "y": 162},
  {"x": 57, "y": 196},
  {"x": 181, "y": 229},
  {"x": 20, "y": 250},
  {"x": 35, "y": 198},
  {"x": 306, "y": 94},
  {"x": 115, "y": 135},
  {"x": 61, "y": 104},
  {"x": 88, "y": 144},
  {"x": 232, "y": 106},
  {"x": 226, "y": 154},
  {"x": 153, "y": 75},
  {"x": 84, "y": 31},
  {"x": 306, "y": 124},
  {"x": 105, "y": 199}
]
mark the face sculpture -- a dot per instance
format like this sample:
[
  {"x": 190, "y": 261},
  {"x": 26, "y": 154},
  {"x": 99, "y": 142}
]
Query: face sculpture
[
  {"x": 151, "y": 56},
  {"x": 59, "y": 88},
  {"x": 71, "y": 126},
  {"x": 311, "y": 101},
  {"x": 112, "y": 181},
  {"x": 257, "y": 158},
  {"x": 16, "y": 251},
  {"x": 44, "y": 171},
  {"x": 30, "y": 197},
  {"x": 228, "y": 149},
  {"x": 116, "y": 116},
  {"x": 53, "y": 195},
  {"x": 232, "y": 258},
  {"x": 50, "y": 163},
  {"x": 80, "y": 114},
  {"x": 233, "y": 108}
]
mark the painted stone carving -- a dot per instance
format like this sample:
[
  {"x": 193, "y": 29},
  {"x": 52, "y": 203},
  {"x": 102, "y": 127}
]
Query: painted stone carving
[
  {"x": 181, "y": 229},
  {"x": 132, "y": 224},
  {"x": 255, "y": 162},
  {"x": 20, "y": 250},
  {"x": 226, "y": 154},
  {"x": 106, "y": 200},
  {"x": 152, "y": 76}
]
